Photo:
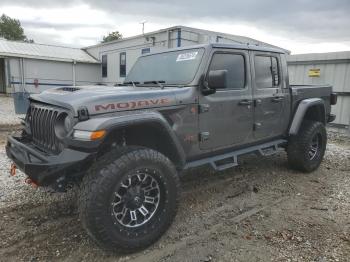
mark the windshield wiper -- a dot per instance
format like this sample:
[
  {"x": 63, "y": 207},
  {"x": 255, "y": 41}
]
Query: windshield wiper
[
  {"x": 159, "y": 83},
  {"x": 131, "y": 83}
]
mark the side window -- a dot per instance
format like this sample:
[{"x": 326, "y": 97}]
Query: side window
[
  {"x": 145, "y": 50},
  {"x": 104, "y": 66},
  {"x": 235, "y": 66},
  {"x": 122, "y": 66},
  {"x": 266, "y": 71}
]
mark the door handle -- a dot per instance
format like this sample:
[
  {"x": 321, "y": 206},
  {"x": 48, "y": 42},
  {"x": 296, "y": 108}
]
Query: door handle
[
  {"x": 278, "y": 99},
  {"x": 245, "y": 102}
]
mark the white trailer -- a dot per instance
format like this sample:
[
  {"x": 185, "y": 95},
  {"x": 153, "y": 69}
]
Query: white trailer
[{"x": 117, "y": 57}]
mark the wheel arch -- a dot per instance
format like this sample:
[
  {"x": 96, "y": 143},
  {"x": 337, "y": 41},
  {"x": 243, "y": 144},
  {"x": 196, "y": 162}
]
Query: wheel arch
[
  {"x": 148, "y": 129},
  {"x": 310, "y": 109}
]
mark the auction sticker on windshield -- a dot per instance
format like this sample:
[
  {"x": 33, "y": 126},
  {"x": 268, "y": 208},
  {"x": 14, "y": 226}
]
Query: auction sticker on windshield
[{"x": 186, "y": 56}]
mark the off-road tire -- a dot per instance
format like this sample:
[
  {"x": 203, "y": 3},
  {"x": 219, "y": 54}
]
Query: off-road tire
[
  {"x": 99, "y": 185},
  {"x": 299, "y": 146}
]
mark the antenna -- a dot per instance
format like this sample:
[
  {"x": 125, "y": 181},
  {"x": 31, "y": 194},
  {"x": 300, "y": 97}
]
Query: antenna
[{"x": 143, "y": 26}]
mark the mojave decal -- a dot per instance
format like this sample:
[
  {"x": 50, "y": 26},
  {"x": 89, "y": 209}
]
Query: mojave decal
[{"x": 132, "y": 104}]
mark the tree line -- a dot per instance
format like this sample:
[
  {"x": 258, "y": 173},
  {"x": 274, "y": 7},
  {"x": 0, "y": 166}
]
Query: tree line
[{"x": 11, "y": 29}]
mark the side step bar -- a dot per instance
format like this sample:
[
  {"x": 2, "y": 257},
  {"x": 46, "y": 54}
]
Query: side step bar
[{"x": 229, "y": 160}]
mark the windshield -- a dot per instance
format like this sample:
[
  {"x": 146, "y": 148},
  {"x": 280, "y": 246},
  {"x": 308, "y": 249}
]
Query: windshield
[{"x": 177, "y": 67}]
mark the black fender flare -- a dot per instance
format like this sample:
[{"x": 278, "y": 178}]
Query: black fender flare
[
  {"x": 300, "y": 112},
  {"x": 113, "y": 122}
]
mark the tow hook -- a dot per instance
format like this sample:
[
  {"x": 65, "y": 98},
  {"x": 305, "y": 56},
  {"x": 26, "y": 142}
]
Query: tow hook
[
  {"x": 13, "y": 169},
  {"x": 30, "y": 182}
]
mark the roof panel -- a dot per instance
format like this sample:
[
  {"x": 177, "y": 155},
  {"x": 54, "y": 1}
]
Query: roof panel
[
  {"x": 47, "y": 52},
  {"x": 235, "y": 38},
  {"x": 320, "y": 56}
]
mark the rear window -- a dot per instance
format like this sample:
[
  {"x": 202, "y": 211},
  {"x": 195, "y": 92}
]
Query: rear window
[{"x": 266, "y": 71}]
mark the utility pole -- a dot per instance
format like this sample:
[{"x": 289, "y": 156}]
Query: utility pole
[{"x": 143, "y": 26}]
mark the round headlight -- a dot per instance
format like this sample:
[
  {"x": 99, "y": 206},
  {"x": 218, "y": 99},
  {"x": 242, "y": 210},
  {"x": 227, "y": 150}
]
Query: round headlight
[
  {"x": 68, "y": 123},
  {"x": 63, "y": 125}
]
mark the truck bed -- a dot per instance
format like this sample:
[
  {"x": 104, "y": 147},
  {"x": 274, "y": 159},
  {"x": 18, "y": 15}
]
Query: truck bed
[{"x": 300, "y": 92}]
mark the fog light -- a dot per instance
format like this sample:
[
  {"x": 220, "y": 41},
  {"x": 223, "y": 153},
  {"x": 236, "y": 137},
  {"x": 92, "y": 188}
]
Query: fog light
[{"x": 88, "y": 135}]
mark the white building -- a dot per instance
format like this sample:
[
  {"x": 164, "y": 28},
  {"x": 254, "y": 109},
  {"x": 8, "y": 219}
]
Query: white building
[
  {"x": 27, "y": 68},
  {"x": 117, "y": 57},
  {"x": 325, "y": 68},
  {"x": 32, "y": 68}
]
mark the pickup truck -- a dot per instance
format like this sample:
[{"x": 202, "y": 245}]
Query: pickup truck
[{"x": 126, "y": 146}]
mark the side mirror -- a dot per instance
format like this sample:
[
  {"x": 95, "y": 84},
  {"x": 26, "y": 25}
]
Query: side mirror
[{"x": 217, "y": 79}]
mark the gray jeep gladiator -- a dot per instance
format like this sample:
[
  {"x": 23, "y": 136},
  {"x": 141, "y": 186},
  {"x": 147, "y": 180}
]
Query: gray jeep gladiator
[{"x": 125, "y": 146}]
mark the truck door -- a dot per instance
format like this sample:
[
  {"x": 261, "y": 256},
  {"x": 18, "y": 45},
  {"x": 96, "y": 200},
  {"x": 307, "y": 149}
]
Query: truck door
[
  {"x": 226, "y": 117},
  {"x": 270, "y": 96}
]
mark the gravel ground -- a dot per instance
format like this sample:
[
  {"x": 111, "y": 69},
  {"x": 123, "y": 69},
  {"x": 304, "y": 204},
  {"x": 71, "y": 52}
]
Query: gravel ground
[
  {"x": 7, "y": 113},
  {"x": 258, "y": 211}
]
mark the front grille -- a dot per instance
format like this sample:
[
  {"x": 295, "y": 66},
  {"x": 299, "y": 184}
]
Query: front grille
[{"x": 42, "y": 120}]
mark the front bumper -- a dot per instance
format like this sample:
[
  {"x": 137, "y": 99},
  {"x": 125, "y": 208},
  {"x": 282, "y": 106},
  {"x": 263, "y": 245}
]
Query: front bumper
[{"x": 44, "y": 168}]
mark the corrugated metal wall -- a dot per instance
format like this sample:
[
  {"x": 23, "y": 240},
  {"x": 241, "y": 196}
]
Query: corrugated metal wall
[
  {"x": 49, "y": 74},
  {"x": 334, "y": 70},
  {"x": 29, "y": 76}
]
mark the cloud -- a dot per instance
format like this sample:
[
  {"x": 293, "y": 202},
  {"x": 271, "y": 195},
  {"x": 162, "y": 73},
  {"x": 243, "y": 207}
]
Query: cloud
[
  {"x": 65, "y": 26},
  {"x": 43, "y": 3},
  {"x": 321, "y": 20},
  {"x": 314, "y": 22},
  {"x": 73, "y": 25}
]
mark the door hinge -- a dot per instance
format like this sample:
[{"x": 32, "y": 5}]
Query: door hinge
[
  {"x": 203, "y": 108},
  {"x": 204, "y": 136}
]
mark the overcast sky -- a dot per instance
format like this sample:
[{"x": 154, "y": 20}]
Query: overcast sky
[{"x": 302, "y": 26}]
